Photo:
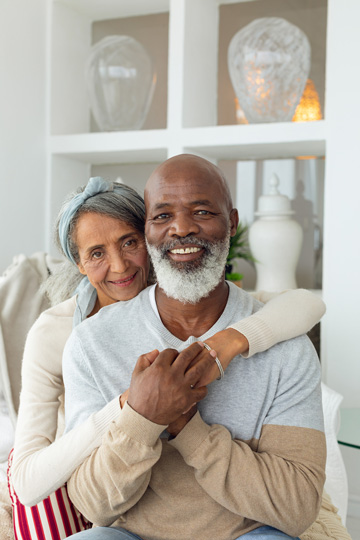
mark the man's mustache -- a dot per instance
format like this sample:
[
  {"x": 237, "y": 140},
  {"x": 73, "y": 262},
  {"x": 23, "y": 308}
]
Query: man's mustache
[{"x": 173, "y": 244}]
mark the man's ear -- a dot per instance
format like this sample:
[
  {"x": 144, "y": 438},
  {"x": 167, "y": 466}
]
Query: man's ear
[{"x": 234, "y": 221}]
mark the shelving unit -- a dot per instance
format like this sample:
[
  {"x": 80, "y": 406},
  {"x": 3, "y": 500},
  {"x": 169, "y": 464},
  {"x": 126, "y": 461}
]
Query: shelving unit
[
  {"x": 191, "y": 126},
  {"x": 191, "y": 91}
]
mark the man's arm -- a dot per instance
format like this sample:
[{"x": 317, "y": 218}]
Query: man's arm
[
  {"x": 116, "y": 475},
  {"x": 278, "y": 479},
  {"x": 128, "y": 450}
]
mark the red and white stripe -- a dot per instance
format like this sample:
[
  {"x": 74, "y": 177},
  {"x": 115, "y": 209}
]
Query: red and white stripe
[{"x": 54, "y": 518}]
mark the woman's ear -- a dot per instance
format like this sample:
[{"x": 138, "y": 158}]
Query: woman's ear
[
  {"x": 81, "y": 268},
  {"x": 234, "y": 221}
]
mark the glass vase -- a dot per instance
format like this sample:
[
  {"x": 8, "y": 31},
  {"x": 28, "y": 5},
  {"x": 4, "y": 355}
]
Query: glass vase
[{"x": 121, "y": 81}]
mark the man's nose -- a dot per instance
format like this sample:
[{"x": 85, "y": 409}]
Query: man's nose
[{"x": 183, "y": 225}]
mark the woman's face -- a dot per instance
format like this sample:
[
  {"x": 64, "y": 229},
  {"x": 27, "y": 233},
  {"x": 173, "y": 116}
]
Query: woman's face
[{"x": 113, "y": 256}]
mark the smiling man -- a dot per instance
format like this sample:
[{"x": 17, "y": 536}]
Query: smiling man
[
  {"x": 243, "y": 458},
  {"x": 188, "y": 226}
]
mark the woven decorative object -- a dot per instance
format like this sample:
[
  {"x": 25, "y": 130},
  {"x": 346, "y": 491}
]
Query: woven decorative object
[{"x": 269, "y": 63}]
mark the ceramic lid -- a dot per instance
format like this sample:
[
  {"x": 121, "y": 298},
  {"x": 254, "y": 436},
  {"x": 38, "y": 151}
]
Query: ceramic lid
[{"x": 274, "y": 204}]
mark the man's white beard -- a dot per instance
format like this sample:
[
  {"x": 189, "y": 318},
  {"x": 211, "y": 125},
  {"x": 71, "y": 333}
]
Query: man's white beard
[{"x": 188, "y": 282}]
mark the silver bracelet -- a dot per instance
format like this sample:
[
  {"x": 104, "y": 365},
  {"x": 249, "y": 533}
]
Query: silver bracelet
[{"x": 218, "y": 363}]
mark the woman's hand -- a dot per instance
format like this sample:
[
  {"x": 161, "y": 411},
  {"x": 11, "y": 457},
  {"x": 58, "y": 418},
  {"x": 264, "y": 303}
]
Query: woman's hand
[{"x": 227, "y": 344}]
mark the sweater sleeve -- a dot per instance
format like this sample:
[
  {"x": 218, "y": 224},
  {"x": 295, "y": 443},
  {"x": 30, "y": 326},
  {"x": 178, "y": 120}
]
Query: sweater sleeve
[
  {"x": 116, "y": 475},
  {"x": 42, "y": 463},
  {"x": 284, "y": 316},
  {"x": 277, "y": 479}
]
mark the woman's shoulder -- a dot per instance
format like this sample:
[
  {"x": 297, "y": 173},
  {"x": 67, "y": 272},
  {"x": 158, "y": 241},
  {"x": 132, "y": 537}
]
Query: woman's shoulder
[
  {"x": 46, "y": 339},
  {"x": 63, "y": 310},
  {"x": 58, "y": 317}
]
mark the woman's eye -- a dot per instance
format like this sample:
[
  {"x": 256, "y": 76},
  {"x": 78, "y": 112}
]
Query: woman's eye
[
  {"x": 96, "y": 255},
  {"x": 130, "y": 243}
]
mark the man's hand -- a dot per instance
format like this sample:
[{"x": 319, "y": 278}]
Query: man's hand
[
  {"x": 175, "y": 427},
  {"x": 163, "y": 390},
  {"x": 149, "y": 357}
]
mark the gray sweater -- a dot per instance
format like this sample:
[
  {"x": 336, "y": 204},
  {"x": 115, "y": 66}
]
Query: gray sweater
[{"x": 271, "y": 403}]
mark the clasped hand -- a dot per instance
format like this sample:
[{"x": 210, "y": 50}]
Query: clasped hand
[{"x": 164, "y": 385}]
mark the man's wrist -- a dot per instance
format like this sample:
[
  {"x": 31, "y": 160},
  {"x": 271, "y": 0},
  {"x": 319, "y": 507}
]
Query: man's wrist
[
  {"x": 191, "y": 436},
  {"x": 138, "y": 427},
  {"x": 123, "y": 398},
  {"x": 176, "y": 427}
]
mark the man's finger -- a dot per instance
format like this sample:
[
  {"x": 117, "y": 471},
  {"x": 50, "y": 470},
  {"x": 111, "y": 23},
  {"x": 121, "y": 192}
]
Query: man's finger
[
  {"x": 145, "y": 360},
  {"x": 166, "y": 357},
  {"x": 152, "y": 356},
  {"x": 187, "y": 356}
]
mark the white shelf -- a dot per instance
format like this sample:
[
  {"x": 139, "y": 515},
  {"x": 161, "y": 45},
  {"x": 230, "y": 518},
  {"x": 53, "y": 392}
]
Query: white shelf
[
  {"x": 97, "y": 10},
  {"x": 257, "y": 141},
  {"x": 261, "y": 141},
  {"x": 117, "y": 147}
]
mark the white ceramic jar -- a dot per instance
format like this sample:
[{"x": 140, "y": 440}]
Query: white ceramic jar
[{"x": 275, "y": 240}]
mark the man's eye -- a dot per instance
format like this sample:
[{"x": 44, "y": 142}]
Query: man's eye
[
  {"x": 202, "y": 212},
  {"x": 160, "y": 217}
]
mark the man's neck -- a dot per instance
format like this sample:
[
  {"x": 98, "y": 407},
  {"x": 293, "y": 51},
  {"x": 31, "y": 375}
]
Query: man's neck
[{"x": 184, "y": 320}]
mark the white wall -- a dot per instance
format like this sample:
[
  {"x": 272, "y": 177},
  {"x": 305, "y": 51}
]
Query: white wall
[
  {"x": 341, "y": 293},
  {"x": 342, "y": 195},
  {"x": 351, "y": 460},
  {"x": 22, "y": 127}
]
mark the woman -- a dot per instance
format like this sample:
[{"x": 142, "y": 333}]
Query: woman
[{"x": 101, "y": 231}]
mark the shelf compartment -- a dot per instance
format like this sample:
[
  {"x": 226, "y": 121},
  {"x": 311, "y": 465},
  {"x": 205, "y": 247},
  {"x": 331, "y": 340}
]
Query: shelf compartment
[
  {"x": 257, "y": 141},
  {"x": 310, "y": 17},
  {"x": 118, "y": 147}
]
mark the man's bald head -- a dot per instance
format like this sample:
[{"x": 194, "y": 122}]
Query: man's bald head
[{"x": 191, "y": 168}]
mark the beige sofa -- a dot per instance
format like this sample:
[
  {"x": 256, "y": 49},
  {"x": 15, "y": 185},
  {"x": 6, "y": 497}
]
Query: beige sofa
[{"x": 20, "y": 304}]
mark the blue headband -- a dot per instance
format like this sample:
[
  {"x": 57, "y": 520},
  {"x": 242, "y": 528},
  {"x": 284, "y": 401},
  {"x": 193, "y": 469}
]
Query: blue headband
[{"x": 94, "y": 186}]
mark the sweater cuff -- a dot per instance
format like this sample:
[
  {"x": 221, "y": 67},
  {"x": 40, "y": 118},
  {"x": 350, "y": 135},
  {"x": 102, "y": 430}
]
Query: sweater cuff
[
  {"x": 137, "y": 427},
  {"x": 191, "y": 436},
  {"x": 105, "y": 416},
  {"x": 258, "y": 334}
]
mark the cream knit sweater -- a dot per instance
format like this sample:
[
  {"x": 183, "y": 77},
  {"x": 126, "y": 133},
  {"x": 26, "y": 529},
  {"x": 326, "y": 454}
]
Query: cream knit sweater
[{"x": 43, "y": 461}]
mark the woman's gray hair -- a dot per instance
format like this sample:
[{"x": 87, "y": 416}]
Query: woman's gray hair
[{"x": 121, "y": 202}]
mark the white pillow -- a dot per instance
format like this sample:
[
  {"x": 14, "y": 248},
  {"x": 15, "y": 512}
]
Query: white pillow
[
  {"x": 6, "y": 431},
  {"x": 336, "y": 484}
]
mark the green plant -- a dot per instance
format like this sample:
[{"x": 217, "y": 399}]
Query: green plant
[{"x": 239, "y": 249}]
